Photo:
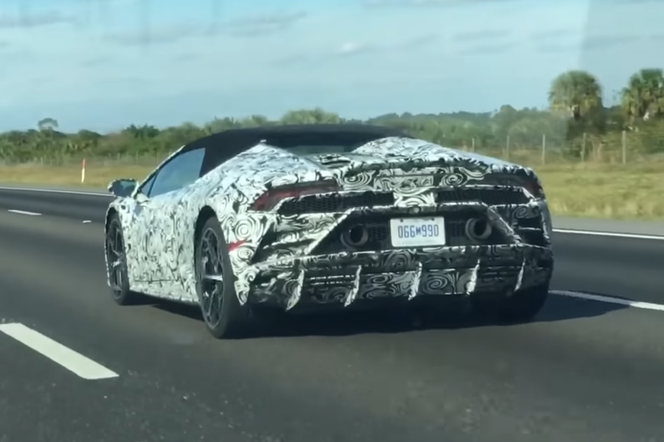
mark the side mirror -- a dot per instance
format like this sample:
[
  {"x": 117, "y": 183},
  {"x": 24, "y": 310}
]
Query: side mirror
[{"x": 122, "y": 188}]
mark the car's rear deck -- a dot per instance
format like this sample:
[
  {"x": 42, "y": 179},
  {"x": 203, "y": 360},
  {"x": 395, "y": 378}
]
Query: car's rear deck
[{"x": 342, "y": 278}]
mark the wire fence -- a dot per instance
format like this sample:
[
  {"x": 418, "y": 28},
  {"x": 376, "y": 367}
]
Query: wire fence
[{"x": 586, "y": 150}]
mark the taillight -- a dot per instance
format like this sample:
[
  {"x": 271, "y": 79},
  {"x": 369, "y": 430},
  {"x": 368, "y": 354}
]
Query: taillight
[{"x": 271, "y": 198}]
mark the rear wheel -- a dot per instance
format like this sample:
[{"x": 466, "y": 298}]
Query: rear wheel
[
  {"x": 223, "y": 314},
  {"x": 521, "y": 306},
  {"x": 116, "y": 264}
]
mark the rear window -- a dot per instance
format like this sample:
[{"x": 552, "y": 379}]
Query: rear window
[{"x": 318, "y": 143}]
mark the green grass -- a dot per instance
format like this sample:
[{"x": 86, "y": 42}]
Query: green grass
[
  {"x": 605, "y": 191},
  {"x": 97, "y": 175},
  {"x": 598, "y": 190}
]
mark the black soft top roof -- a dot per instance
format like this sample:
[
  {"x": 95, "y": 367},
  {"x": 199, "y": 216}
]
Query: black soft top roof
[{"x": 235, "y": 141}]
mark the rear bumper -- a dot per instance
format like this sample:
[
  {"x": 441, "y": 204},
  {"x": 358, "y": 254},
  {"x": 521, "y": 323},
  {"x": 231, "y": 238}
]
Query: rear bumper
[{"x": 345, "y": 278}]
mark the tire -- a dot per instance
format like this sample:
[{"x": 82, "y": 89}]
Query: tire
[
  {"x": 520, "y": 307},
  {"x": 224, "y": 316},
  {"x": 116, "y": 264}
]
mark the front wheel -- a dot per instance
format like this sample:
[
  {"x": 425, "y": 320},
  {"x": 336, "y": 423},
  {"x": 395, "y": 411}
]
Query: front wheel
[
  {"x": 222, "y": 312},
  {"x": 519, "y": 307}
]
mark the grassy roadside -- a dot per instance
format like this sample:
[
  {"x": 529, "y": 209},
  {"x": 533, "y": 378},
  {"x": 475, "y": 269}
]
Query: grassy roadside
[{"x": 631, "y": 191}]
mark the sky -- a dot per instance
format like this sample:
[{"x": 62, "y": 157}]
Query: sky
[{"x": 105, "y": 64}]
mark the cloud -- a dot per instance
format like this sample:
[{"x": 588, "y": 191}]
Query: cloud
[
  {"x": 36, "y": 19},
  {"x": 487, "y": 34},
  {"x": 569, "y": 39},
  {"x": 97, "y": 61},
  {"x": 15, "y": 53},
  {"x": 344, "y": 50},
  {"x": 261, "y": 24},
  {"x": 120, "y": 2},
  {"x": 597, "y": 42},
  {"x": 340, "y": 56},
  {"x": 556, "y": 48},
  {"x": 418, "y": 42},
  {"x": 552, "y": 34},
  {"x": 356, "y": 48},
  {"x": 427, "y": 3},
  {"x": 636, "y": 2},
  {"x": 245, "y": 26},
  {"x": 488, "y": 49},
  {"x": 185, "y": 57},
  {"x": 484, "y": 42},
  {"x": 160, "y": 35},
  {"x": 292, "y": 60},
  {"x": 352, "y": 48}
]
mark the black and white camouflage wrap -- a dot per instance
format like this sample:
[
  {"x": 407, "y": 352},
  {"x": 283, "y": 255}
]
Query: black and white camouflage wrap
[{"x": 159, "y": 233}]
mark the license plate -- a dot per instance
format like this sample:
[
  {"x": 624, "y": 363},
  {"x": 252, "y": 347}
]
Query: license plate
[{"x": 418, "y": 232}]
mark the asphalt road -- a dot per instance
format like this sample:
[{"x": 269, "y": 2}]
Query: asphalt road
[{"x": 584, "y": 371}]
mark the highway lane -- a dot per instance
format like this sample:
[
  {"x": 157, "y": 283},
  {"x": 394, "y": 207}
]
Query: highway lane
[
  {"x": 77, "y": 206},
  {"x": 577, "y": 256},
  {"x": 584, "y": 371}
]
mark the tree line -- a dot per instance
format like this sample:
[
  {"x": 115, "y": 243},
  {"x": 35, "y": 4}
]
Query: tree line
[{"x": 576, "y": 119}]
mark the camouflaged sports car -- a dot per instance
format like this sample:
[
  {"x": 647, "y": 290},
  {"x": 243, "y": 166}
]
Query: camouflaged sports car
[{"x": 294, "y": 217}]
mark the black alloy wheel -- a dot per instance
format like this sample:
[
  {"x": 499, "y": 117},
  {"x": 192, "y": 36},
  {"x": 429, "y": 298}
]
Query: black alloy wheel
[{"x": 222, "y": 312}]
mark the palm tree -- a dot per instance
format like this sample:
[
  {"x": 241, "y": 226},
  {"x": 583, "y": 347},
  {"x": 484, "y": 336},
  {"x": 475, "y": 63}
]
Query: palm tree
[
  {"x": 502, "y": 121},
  {"x": 575, "y": 93},
  {"x": 643, "y": 97},
  {"x": 47, "y": 124}
]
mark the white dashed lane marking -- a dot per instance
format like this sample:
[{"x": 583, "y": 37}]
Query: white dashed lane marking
[
  {"x": 58, "y": 353},
  {"x": 609, "y": 299},
  {"x": 610, "y": 234},
  {"x": 23, "y": 212}
]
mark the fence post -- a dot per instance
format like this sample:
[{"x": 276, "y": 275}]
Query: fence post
[
  {"x": 472, "y": 145},
  {"x": 83, "y": 171},
  {"x": 624, "y": 147},
  {"x": 543, "y": 148},
  {"x": 583, "y": 149},
  {"x": 507, "y": 148}
]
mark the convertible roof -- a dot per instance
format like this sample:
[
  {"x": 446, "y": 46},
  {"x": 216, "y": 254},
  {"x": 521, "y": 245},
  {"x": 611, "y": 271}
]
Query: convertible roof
[{"x": 234, "y": 141}]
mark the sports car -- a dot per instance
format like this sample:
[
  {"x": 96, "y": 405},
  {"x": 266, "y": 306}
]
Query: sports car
[{"x": 294, "y": 218}]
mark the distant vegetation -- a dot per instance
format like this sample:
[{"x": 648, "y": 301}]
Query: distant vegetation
[{"x": 576, "y": 125}]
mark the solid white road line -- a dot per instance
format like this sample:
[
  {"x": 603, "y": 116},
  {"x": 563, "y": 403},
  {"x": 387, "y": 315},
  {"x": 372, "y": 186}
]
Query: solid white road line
[
  {"x": 69, "y": 359},
  {"x": 612, "y": 234},
  {"x": 609, "y": 299},
  {"x": 23, "y": 212},
  {"x": 70, "y": 192}
]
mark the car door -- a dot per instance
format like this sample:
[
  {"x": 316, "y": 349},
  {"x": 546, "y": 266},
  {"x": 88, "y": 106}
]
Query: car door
[{"x": 153, "y": 215}]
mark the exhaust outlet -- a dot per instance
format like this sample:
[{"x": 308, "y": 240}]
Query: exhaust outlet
[
  {"x": 356, "y": 236},
  {"x": 478, "y": 229}
]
